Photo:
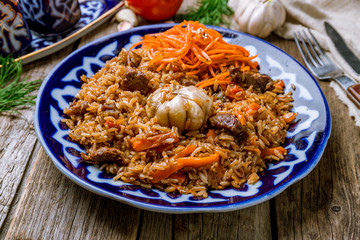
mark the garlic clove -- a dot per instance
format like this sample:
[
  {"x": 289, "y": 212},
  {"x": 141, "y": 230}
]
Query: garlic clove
[
  {"x": 196, "y": 116},
  {"x": 162, "y": 115},
  {"x": 177, "y": 112},
  {"x": 126, "y": 15},
  {"x": 198, "y": 96},
  {"x": 124, "y": 26}
]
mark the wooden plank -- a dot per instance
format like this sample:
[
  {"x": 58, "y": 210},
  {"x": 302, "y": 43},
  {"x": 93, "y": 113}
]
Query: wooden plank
[
  {"x": 17, "y": 137},
  {"x": 155, "y": 226},
  {"x": 76, "y": 213},
  {"x": 53, "y": 207},
  {"x": 105, "y": 29},
  {"x": 249, "y": 223},
  {"x": 15, "y": 202},
  {"x": 325, "y": 204}
]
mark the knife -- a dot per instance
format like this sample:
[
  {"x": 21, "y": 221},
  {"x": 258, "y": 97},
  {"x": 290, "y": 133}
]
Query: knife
[{"x": 343, "y": 49}]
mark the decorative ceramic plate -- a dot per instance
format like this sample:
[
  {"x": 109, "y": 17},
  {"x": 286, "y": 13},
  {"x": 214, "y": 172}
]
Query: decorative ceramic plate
[
  {"x": 93, "y": 13},
  {"x": 306, "y": 138}
]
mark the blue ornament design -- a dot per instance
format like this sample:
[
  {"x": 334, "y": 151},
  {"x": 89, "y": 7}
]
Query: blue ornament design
[{"x": 14, "y": 32}]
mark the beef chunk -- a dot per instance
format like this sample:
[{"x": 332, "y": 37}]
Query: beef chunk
[
  {"x": 246, "y": 79},
  {"x": 129, "y": 58},
  {"x": 135, "y": 80},
  {"x": 77, "y": 108},
  {"x": 230, "y": 123},
  {"x": 103, "y": 155},
  {"x": 133, "y": 59}
]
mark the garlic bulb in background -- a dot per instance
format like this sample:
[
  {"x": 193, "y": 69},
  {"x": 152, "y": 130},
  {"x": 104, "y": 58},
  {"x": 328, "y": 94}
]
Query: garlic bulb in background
[
  {"x": 127, "y": 19},
  {"x": 258, "y": 17}
]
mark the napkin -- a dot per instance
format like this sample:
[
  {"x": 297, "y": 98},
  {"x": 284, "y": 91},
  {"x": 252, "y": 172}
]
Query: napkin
[{"x": 343, "y": 15}]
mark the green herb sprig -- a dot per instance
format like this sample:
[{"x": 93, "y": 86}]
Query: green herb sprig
[
  {"x": 14, "y": 91},
  {"x": 211, "y": 12}
]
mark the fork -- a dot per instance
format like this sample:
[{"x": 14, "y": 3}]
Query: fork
[{"x": 322, "y": 67}]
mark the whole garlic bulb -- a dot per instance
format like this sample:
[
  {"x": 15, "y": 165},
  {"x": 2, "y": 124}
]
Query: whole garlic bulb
[
  {"x": 258, "y": 17},
  {"x": 186, "y": 108}
]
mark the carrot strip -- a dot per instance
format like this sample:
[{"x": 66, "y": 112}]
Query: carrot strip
[
  {"x": 179, "y": 176},
  {"x": 220, "y": 76},
  {"x": 152, "y": 142},
  {"x": 226, "y": 81},
  {"x": 160, "y": 67},
  {"x": 255, "y": 150},
  {"x": 236, "y": 64},
  {"x": 158, "y": 175},
  {"x": 187, "y": 151},
  {"x": 211, "y": 69},
  {"x": 211, "y": 134},
  {"x": 193, "y": 72},
  {"x": 280, "y": 84},
  {"x": 252, "y": 106},
  {"x": 197, "y": 64},
  {"x": 115, "y": 124},
  {"x": 272, "y": 151},
  {"x": 231, "y": 92},
  {"x": 241, "y": 117},
  {"x": 289, "y": 117},
  {"x": 196, "y": 162},
  {"x": 211, "y": 43}
]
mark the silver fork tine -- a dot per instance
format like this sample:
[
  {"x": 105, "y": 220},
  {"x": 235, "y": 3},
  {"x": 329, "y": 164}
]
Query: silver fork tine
[
  {"x": 308, "y": 52},
  {"x": 297, "y": 41},
  {"x": 322, "y": 54},
  {"x": 314, "y": 53},
  {"x": 327, "y": 68}
]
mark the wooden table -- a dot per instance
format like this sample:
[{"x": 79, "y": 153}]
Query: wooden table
[{"x": 38, "y": 202}]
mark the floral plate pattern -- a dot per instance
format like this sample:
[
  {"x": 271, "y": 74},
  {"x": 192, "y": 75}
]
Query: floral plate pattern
[{"x": 306, "y": 138}]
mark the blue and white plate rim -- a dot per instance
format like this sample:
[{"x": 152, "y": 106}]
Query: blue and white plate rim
[{"x": 175, "y": 209}]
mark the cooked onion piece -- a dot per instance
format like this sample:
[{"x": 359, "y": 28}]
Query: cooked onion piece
[{"x": 187, "y": 108}]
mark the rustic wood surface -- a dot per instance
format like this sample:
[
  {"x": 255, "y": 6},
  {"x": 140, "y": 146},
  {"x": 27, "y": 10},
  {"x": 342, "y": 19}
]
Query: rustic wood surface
[{"x": 38, "y": 202}]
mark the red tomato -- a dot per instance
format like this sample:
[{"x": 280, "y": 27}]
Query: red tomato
[{"x": 154, "y": 10}]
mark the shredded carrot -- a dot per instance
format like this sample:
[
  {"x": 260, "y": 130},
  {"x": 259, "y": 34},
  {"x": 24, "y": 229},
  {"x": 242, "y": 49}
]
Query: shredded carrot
[
  {"x": 160, "y": 67},
  {"x": 154, "y": 141},
  {"x": 212, "y": 72},
  {"x": 219, "y": 77},
  {"x": 289, "y": 117},
  {"x": 193, "y": 72},
  {"x": 226, "y": 81},
  {"x": 197, "y": 49},
  {"x": 271, "y": 151}
]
